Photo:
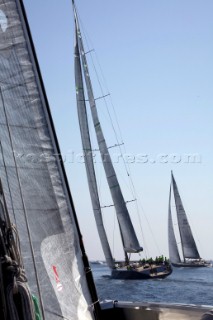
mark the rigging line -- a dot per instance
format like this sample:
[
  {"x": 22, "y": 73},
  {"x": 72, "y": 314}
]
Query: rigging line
[
  {"x": 113, "y": 107},
  {"x": 134, "y": 194},
  {"x": 139, "y": 216},
  {"x": 99, "y": 82},
  {"x": 126, "y": 182},
  {"x": 116, "y": 136},
  {"x": 105, "y": 83},
  {"x": 115, "y": 145},
  {"x": 127, "y": 168},
  {"x": 89, "y": 51},
  {"x": 150, "y": 229},
  {"x": 24, "y": 207},
  {"x": 116, "y": 118},
  {"x": 111, "y": 205},
  {"x": 87, "y": 40},
  {"x": 146, "y": 251},
  {"x": 104, "y": 96}
]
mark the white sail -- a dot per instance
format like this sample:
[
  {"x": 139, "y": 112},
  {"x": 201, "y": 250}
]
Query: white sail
[
  {"x": 174, "y": 255},
  {"x": 34, "y": 180},
  {"x": 130, "y": 240},
  {"x": 187, "y": 240}
]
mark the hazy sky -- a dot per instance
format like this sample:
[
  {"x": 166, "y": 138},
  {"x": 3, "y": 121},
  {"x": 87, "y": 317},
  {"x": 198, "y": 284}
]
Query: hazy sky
[{"x": 156, "y": 57}]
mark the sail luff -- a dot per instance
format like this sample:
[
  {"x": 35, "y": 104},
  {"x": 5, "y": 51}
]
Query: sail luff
[
  {"x": 88, "y": 156},
  {"x": 189, "y": 247},
  {"x": 174, "y": 255},
  {"x": 131, "y": 243}
]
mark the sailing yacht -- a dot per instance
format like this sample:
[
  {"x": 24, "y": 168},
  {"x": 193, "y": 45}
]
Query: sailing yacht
[
  {"x": 191, "y": 256},
  {"x": 127, "y": 232}
]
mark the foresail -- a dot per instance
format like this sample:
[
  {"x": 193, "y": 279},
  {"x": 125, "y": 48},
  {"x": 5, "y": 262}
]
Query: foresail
[
  {"x": 131, "y": 243},
  {"x": 173, "y": 248},
  {"x": 33, "y": 177},
  {"x": 88, "y": 156},
  {"x": 187, "y": 240}
]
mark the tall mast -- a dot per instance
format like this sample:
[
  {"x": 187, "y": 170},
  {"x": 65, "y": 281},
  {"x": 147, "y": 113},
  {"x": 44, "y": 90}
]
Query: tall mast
[
  {"x": 130, "y": 240},
  {"x": 85, "y": 137}
]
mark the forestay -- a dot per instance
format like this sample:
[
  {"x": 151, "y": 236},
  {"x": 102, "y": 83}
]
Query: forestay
[{"x": 33, "y": 178}]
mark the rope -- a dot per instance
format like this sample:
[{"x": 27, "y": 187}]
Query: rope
[
  {"x": 17, "y": 297},
  {"x": 24, "y": 309},
  {"x": 19, "y": 301}
]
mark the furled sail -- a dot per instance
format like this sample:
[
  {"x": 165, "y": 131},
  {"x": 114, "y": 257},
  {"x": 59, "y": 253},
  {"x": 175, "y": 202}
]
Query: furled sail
[
  {"x": 187, "y": 240},
  {"x": 173, "y": 248},
  {"x": 85, "y": 137},
  {"x": 131, "y": 243},
  {"x": 34, "y": 180}
]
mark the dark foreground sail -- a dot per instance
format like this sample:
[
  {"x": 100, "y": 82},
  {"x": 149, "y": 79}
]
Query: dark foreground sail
[
  {"x": 191, "y": 256},
  {"x": 33, "y": 178}
]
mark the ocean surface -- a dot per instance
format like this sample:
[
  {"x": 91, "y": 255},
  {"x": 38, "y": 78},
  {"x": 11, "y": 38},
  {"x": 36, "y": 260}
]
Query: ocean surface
[{"x": 184, "y": 286}]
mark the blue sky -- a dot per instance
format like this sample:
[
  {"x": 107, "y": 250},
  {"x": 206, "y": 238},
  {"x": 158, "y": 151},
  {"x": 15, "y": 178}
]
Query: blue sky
[{"x": 156, "y": 57}]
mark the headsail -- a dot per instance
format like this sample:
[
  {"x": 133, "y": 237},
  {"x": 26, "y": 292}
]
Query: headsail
[
  {"x": 131, "y": 243},
  {"x": 173, "y": 248},
  {"x": 187, "y": 240},
  {"x": 33, "y": 177}
]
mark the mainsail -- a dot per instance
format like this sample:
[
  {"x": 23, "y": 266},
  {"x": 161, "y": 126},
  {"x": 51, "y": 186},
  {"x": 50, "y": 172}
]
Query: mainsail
[
  {"x": 187, "y": 240},
  {"x": 173, "y": 248},
  {"x": 130, "y": 240},
  {"x": 34, "y": 180},
  {"x": 85, "y": 137}
]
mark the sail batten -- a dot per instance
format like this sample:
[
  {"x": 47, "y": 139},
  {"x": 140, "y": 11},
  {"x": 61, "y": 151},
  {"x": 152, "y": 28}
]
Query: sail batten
[
  {"x": 189, "y": 247},
  {"x": 130, "y": 240}
]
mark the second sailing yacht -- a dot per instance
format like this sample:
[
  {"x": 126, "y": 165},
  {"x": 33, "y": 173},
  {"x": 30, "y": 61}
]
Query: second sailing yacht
[{"x": 191, "y": 256}]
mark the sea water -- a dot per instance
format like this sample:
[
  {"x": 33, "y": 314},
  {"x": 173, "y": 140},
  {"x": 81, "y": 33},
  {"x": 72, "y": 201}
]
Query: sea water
[{"x": 184, "y": 286}]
